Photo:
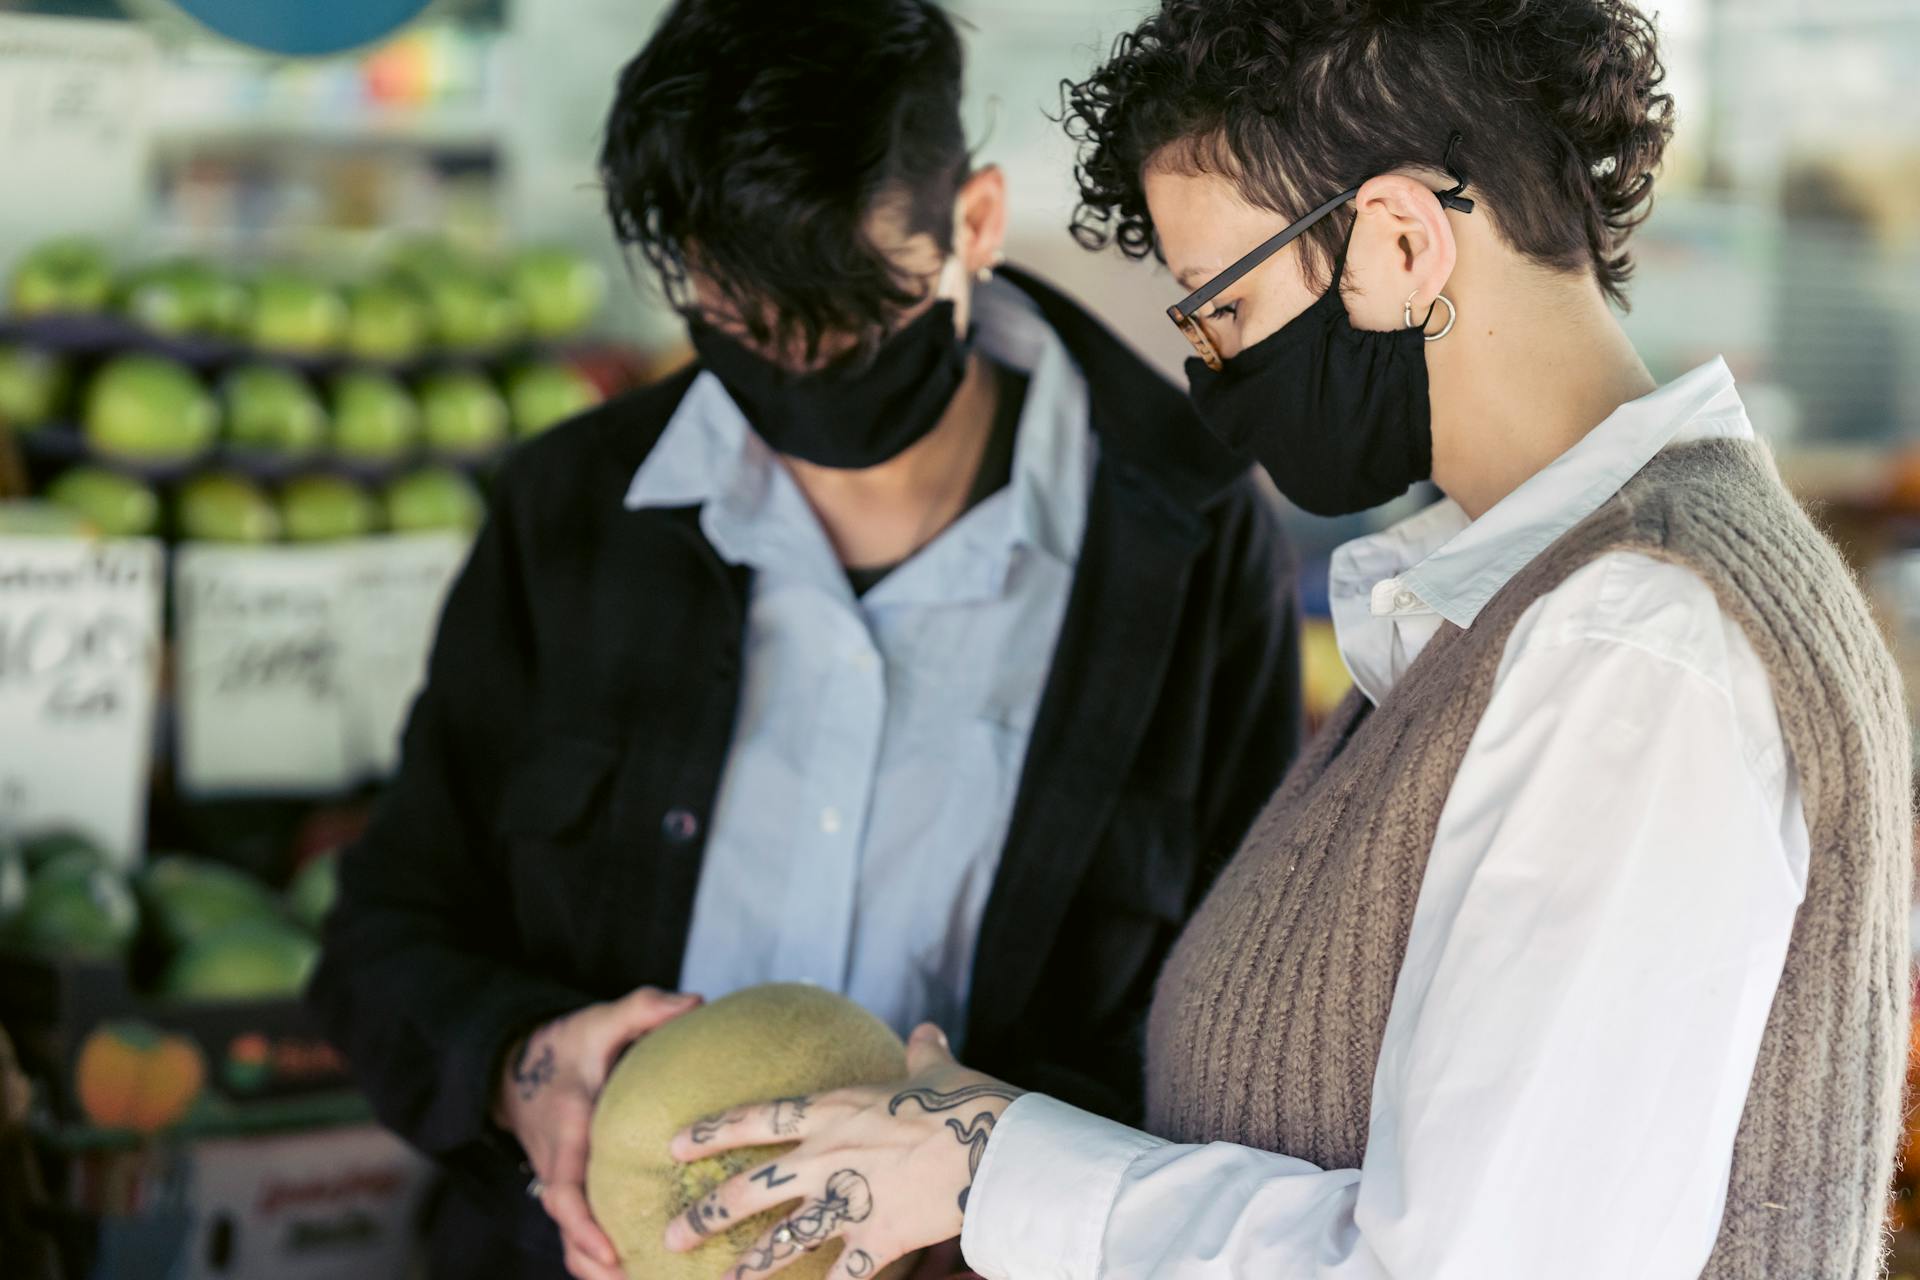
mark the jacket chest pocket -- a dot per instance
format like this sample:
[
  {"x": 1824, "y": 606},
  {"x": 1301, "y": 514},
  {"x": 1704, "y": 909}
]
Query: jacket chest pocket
[{"x": 562, "y": 857}]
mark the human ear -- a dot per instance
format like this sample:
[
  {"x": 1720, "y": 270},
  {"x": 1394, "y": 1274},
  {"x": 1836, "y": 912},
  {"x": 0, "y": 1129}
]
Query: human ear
[{"x": 1402, "y": 253}]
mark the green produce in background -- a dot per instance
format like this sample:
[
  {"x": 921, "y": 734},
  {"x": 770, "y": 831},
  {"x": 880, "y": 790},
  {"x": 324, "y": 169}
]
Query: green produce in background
[
  {"x": 375, "y": 419},
  {"x": 42, "y": 849},
  {"x": 294, "y": 314},
  {"x": 75, "y": 908},
  {"x": 314, "y": 891},
  {"x": 222, "y": 507},
  {"x": 184, "y": 296},
  {"x": 472, "y": 313},
  {"x": 116, "y": 505},
  {"x": 272, "y": 409},
  {"x": 150, "y": 409},
  {"x": 420, "y": 258},
  {"x": 62, "y": 276},
  {"x": 327, "y": 508},
  {"x": 188, "y": 898},
  {"x": 561, "y": 290},
  {"x": 465, "y": 415},
  {"x": 26, "y": 518},
  {"x": 434, "y": 499},
  {"x": 32, "y": 385},
  {"x": 544, "y": 394},
  {"x": 245, "y": 960},
  {"x": 13, "y": 882},
  {"x": 386, "y": 321}
]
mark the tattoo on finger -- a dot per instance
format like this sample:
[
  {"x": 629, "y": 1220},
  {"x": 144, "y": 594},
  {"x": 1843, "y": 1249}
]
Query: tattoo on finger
[
  {"x": 771, "y": 1177},
  {"x": 706, "y": 1127},
  {"x": 859, "y": 1263},
  {"x": 787, "y": 1115},
  {"x": 707, "y": 1217},
  {"x": 846, "y": 1199}
]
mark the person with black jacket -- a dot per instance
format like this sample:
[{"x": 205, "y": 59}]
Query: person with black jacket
[{"x": 918, "y": 642}]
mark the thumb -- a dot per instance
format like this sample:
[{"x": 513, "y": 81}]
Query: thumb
[
  {"x": 927, "y": 1048},
  {"x": 640, "y": 1011}
]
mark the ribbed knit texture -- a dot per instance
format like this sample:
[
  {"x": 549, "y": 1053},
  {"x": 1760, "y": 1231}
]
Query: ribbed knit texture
[{"x": 1270, "y": 1013}]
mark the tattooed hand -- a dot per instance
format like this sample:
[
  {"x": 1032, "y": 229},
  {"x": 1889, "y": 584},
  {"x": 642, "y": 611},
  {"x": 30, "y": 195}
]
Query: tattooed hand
[
  {"x": 883, "y": 1171},
  {"x": 547, "y": 1088}
]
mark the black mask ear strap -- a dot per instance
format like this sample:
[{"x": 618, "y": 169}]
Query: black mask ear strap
[
  {"x": 1451, "y": 198},
  {"x": 1340, "y": 258}
]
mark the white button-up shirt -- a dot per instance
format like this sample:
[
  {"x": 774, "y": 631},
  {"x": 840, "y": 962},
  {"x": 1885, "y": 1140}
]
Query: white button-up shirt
[
  {"x": 879, "y": 740},
  {"x": 1593, "y": 955}
]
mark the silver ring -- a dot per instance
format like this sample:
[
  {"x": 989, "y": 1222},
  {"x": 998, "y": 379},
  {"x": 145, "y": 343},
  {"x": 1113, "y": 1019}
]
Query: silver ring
[
  {"x": 536, "y": 1188},
  {"x": 783, "y": 1234}
]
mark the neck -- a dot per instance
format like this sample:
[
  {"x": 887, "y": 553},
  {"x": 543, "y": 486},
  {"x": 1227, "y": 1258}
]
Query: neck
[
  {"x": 1532, "y": 367},
  {"x": 882, "y": 515}
]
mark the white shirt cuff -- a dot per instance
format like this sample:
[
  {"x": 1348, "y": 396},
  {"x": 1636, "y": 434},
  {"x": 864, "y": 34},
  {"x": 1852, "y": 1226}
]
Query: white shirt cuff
[{"x": 1046, "y": 1186}]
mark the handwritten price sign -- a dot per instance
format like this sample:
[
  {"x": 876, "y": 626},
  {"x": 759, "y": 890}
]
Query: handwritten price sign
[
  {"x": 261, "y": 669},
  {"x": 298, "y": 664},
  {"x": 79, "y": 658}
]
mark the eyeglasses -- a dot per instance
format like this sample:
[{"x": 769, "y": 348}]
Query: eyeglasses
[{"x": 1185, "y": 313}]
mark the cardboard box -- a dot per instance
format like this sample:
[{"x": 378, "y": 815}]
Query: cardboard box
[
  {"x": 337, "y": 1204},
  {"x": 325, "y": 1204},
  {"x": 116, "y": 1061}
]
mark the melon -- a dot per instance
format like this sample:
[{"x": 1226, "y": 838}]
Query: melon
[{"x": 774, "y": 1041}]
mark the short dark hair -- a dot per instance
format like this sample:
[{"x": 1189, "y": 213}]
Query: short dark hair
[
  {"x": 1557, "y": 102},
  {"x": 751, "y": 141}
]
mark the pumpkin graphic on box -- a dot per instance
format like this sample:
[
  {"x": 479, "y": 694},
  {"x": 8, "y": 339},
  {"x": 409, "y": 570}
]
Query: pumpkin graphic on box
[
  {"x": 133, "y": 1076},
  {"x": 249, "y": 1062}
]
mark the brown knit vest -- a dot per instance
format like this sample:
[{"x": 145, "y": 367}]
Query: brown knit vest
[{"x": 1269, "y": 1016}]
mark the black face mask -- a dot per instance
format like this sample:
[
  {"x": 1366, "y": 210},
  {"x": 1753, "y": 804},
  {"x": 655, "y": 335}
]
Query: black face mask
[
  {"x": 1337, "y": 415},
  {"x": 850, "y": 416}
]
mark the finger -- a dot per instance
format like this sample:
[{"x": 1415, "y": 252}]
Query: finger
[
  {"x": 566, "y": 1204},
  {"x": 582, "y": 1267},
  {"x": 927, "y": 1048},
  {"x": 798, "y": 1234},
  {"x": 643, "y": 1009},
  {"x": 756, "y": 1124},
  {"x": 859, "y": 1260},
  {"x": 776, "y": 1183}
]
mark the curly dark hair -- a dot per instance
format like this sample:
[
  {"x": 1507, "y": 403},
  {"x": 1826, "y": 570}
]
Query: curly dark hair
[
  {"x": 1558, "y": 103},
  {"x": 753, "y": 149}
]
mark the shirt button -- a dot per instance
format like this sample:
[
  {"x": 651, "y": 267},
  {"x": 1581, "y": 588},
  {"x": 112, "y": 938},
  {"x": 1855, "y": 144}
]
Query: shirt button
[
  {"x": 1404, "y": 600},
  {"x": 830, "y": 821},
  {"x": 680, "y": 826},
  {"x": 865, "y": 661}
]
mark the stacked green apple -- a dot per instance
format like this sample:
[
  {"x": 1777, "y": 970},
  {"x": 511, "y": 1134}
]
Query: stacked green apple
[
  {"x": 271, "y": 411},
  {"x": 183, "y": 297},
  {"x": 65, "y": 276},
  {"x": 33, "y": 383},
  {"x": 149, "y": 409}
]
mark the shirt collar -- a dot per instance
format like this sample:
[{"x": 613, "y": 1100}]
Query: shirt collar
[
  {"x": 1454, "y": 566},
  {"x": 709, "y": 457}
]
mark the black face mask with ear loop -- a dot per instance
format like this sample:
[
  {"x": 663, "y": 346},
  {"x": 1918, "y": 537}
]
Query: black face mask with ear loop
[
  {"x": 848, "y": 415},
  {"x": 1338, "y": 416}
]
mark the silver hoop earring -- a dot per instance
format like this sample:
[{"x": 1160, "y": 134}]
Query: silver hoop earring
[
  {"x": 983, "y": 275},
  {"x": 1438, "y": 298}
]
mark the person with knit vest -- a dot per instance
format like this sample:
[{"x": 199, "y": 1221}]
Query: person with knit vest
[{"x": 1577, "y": 945}]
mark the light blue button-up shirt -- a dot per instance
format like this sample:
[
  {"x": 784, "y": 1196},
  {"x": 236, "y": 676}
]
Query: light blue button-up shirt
[{"x": 879, "y": 740}]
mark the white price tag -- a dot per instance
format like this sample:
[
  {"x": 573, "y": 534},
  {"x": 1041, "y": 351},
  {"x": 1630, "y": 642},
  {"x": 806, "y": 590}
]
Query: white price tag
[
  {"x": 395, "y": 601},
  {"x": 263, "y": 663},
  {"x": 79, "y": 657},
  {"x": 74, "y": 87}
]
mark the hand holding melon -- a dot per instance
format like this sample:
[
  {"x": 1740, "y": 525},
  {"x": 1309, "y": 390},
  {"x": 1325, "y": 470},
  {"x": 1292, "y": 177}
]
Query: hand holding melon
[
  {"x": 827, "y": 1152},
  {"x": 546, "y": 1097}
]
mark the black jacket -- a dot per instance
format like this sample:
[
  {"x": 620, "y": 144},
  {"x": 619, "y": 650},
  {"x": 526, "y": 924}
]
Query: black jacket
[{"x": 540, "y": 847}]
